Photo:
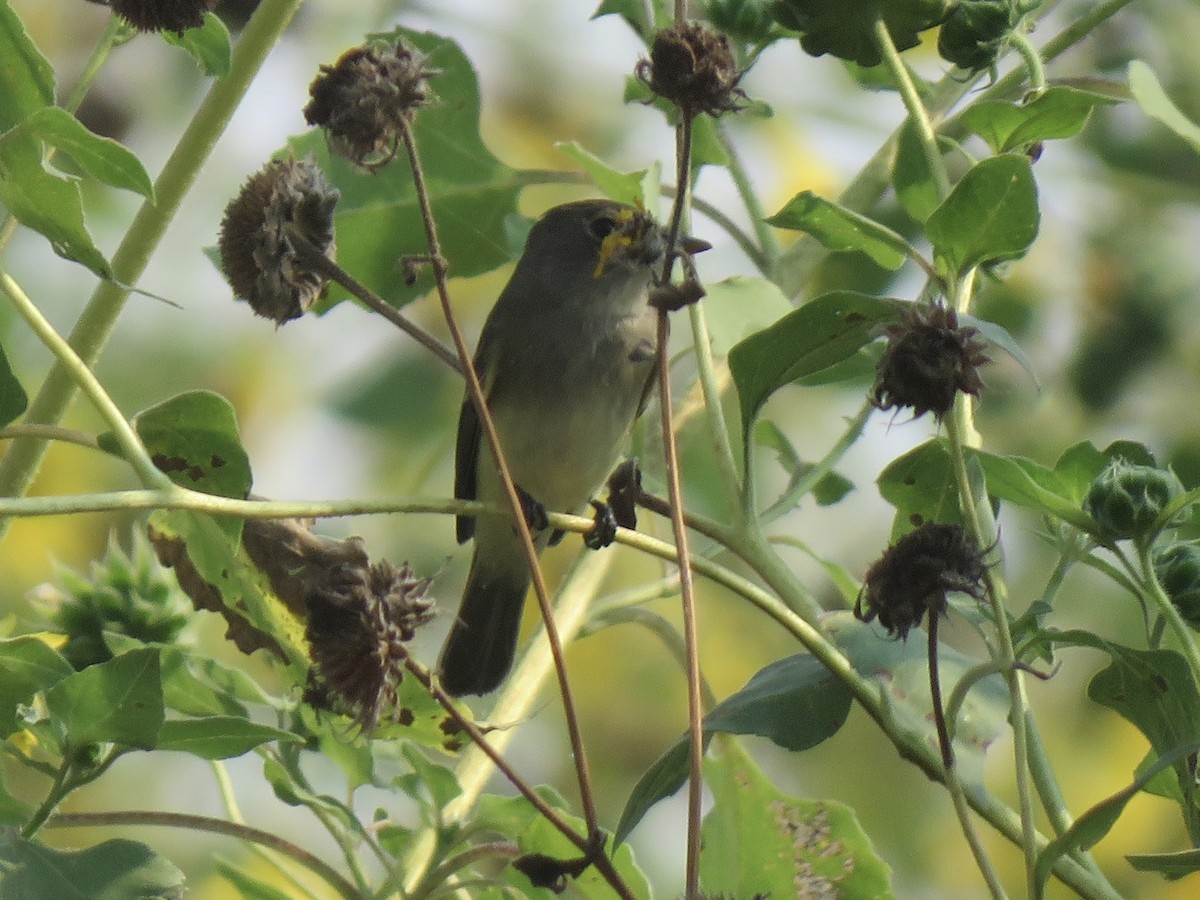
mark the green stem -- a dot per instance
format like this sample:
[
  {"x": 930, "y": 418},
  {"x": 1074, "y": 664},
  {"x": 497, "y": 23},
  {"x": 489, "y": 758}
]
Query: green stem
[
  {"x": 1033, "y": 61},
  {"x": 131, "y": 446},
  {"x": 59, "y": 789},
  {"x": 717, "y": 426},
  {"x": 916, "y": 108},
  {"x": 214, "y": 826},
  {"x": 763, "y": 232},
  {"x": 1166, "y": 609},
  {"x": 20, "y": 463},
  {"x": 50, "y": 433}
]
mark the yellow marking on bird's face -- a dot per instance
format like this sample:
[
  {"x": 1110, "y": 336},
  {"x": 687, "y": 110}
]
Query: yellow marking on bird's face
[{"x": 621, "y": 237}]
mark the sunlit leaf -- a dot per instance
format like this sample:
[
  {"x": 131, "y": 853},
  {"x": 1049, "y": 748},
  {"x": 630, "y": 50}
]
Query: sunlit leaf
[
  {"x": 839, "y": 228},
  {"x": 119, "y": 701},
  {"x": 26, "y": 76},
  {"x": 739, "y": 306},
  {"x": 1058, "y": 112},
  {"x": 912, "y": 179},
  {"x": 624, "y": 187},
  {"x": 1153, "y": 100},
  {"x": 920, "y": 484},
  {"x": 27, "y": 665},
  {"x": 218, "y": 737},
  {"x": 208, "y": 45}
]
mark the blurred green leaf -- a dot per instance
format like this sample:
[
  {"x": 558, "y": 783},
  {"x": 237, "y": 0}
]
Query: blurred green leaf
[
  {"x": 208, "y": 45},
  {"x": 113, "y": 870},
  {"x": 440, "y": 783},
  {"x": 248, "y": 886},
  {"x": 795, "y": 702},
  {"x": 1169, "y": 865},
  {"x": 99, "y": 157},
  {"x": 26, "y": 76},
  {"x": 119, "y": 701},
  {"x": 920, "y": 484},
  {"x": 218, "y": 737},
  {"x": 13, "y": 812},
  {"x": 814, "y": 337},
  {"x": 912, "y": 179},
  {"x": 842, "y": 229},
  {"x": 831, "y": 487},
  {"x": 27, "y": 665},
  {"x": 901, "y": 669},
  {"x": 1153, "y": 100},
  {"x": 49, "y": 204},
  {"x": 13, "y": 399},
  {"x": 624, "y": 187},
  {"x": 1059, "y": 112},
  {"x": 759, "y": 842},
  {"x": 1031, "y": 485},
  {"x": 739, "y": 306},
  {"x": 998, "y": 336},
  {"x": 193, "y": 437},
  {"x": 473, "y": 194},
  {"x": 991, "y": 215},
  {"x": 1080, "y": 464}
]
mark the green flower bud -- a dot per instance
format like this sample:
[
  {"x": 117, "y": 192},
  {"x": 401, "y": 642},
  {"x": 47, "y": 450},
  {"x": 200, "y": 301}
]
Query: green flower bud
[
  {"x": 745, "y": 20},
  {"x": 975, "y": 33},
  {"x": 1177, "y": 568},
  {"x": 1126, "y": 500}
]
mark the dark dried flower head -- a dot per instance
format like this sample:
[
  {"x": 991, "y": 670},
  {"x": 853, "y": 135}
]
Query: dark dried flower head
[
  {"x": 914, "y": 575},
  {"x": 358, "y": 639},
  {"x": 163, "y": 15},
  {"x": 692, "y": 66},
  {"x": 928, "y": 360},
  {"x": 366, "y": 98},
  {"x": 260, "y": 260}
]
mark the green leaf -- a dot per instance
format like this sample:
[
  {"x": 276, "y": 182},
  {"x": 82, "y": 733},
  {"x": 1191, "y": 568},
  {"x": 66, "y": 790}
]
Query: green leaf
[
  {"x": 1153, "y": 100},
  {"x": 440, "y": 783},
  {"x": 26, "y": 76},
  {"x": 102, "y": 158},
  {"x": 47, "y": 203},
  {"x": 759, "y": 842},
  {"x": 737, "y": 307},
  {"x": 208, "y": 45},
  {"x": 847, "y": 30},
  {"x": 13, "y": 812},
  {"x": 814, "y": 337},
  {"x": 998, "y": 336},
  {"x": 842, "y": 229},
  {"x": 795, "y": 702},
  {"x": 920, "y": 484},
  {"x": 1094, "y": 824},
  {"x": 990, "y": 216},
  {"x": 13, "y": 399},
  {"x": 1080, "y": 464},
  {"x": 193, "y": 437},
  {"x": 1170, "y": 866},
  {"x": 901, "y": 669},
  {"x": 113, "y": 870},
  {"x": 119, "y": 701},
  {"x": 218, "y": 737},
  {"x": 27, "y": 665},
  {"x": 635, "y": 188},
  {"x": 1059, "y": 112},
  {"x": 830, "y": 489},
  {"x": 912, "y": 179},
  {"x": 474, "y": 195}
]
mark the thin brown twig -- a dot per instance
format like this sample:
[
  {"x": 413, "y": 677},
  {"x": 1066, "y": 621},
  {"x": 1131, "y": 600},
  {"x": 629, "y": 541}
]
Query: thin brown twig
[
  {"x": 216, "y": 826},
  {"x": 475, "y": 389},
  {"x": 323, "y": 265},
  {"x": 585, "y": 844}
]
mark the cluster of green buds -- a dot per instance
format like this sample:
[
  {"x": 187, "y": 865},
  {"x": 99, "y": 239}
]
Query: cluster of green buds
[
  {"x": 1177, "y": 568},
  {"x": 1127, "y": 501}
]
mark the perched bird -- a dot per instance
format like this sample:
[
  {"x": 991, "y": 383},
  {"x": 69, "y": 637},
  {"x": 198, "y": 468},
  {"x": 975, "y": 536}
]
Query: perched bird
[{"x": 566, "y": 359}]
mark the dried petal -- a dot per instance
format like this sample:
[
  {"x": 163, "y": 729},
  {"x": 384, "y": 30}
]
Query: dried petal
[{"x": 692, "y": 66}]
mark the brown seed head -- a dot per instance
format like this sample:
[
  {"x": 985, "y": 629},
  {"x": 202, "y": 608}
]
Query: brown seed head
[
  {"x": 260, "y": 261},
  {"x": 358, "y": 640},
  {"x": 163, "y": 15},
  {"x": 366, "y": 97},
  {"x": 928, "y": 360},
  {"x": 914, "y": 575},
  {"x": 692, "y": 66}
]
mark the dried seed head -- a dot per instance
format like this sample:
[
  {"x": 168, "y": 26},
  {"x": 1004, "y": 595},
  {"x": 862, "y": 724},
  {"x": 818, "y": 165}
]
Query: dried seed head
[
  {"x": 366, "y": 97},
  {"x": 914, "y": 575},
  {"x": 692, "y": 66},
  {"x": 261, "y": 263},
  {"x": 928, "y": 360},
  {"x": 163, "y": 15},
  {"x": 358, "y": 638}
]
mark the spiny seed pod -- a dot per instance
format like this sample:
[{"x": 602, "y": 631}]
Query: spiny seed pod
[
  {"x": 975, "y": 33},
  {"x": 1177, "y": 568},
  {"x": 914, "y": 575},
  {"x": 1126, "y": 500},
  {"x": 260, "y": 259},
  {"x": 692, "y": 66},
  {"x": 163, "y": 15},
  {"x": 366, "y": 98},
  {"x": 358, "y": 635},
  {"x": 928, "y": 360}
]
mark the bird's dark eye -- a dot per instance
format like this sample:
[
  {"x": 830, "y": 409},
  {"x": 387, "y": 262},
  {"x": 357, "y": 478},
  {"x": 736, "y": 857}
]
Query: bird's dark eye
[{"x": 603, "y": 226}]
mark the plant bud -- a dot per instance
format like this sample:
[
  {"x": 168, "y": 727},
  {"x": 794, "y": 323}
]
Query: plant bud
[
  {"x": 1177, "y": 568},
  {"x": 975, "y": 33},
  {"x": 692, "y": 66},
  {"x": 163, "y": 15},
  {"x": 1126, "y": 500}
]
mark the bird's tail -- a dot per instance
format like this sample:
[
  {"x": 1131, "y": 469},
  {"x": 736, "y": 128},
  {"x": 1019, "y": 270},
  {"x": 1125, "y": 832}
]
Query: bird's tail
[{"x": 483, "y": 640}]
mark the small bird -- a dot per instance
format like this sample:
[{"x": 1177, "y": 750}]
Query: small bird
[{"x": 567, "y": 360}]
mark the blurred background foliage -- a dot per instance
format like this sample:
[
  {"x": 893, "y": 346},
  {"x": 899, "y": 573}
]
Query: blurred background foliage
[{"x": 343, "y": 406}]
